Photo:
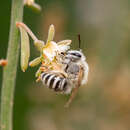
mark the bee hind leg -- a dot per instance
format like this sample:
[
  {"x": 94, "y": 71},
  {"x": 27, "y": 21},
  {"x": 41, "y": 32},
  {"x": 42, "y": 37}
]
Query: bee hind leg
[{"x": 75, "y": 90}]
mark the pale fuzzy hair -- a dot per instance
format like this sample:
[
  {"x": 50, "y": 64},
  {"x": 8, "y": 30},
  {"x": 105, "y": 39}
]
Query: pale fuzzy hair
[{"x": 83, "y": 63}]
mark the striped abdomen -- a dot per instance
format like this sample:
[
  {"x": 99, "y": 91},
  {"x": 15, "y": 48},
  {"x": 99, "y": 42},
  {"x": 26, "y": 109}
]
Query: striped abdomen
[{"x": 56, "y": 82}]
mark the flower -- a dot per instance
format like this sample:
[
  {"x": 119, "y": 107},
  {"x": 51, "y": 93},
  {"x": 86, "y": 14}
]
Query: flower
[{"x": 51, "y": 48}]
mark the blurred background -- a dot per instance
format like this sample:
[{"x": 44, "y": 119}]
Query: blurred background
[{"x": 104, "y": 103}]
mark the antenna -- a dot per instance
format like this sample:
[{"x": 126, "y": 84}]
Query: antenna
[{"x": 79, "y": 40}]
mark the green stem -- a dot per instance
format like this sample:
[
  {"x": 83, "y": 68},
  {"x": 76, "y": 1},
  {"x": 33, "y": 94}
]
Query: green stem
[{"x": 9, "y": 74}]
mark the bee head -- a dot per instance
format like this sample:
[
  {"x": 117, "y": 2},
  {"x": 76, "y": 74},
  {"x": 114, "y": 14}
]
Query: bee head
[{"x": 74, "y": 55}]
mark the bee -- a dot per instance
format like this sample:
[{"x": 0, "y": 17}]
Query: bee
[{"x": 73, "y": 72}]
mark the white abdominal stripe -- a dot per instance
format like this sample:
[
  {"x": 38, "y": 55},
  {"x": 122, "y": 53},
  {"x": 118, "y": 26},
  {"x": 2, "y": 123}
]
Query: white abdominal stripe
[{"x": 55, "y": 82}]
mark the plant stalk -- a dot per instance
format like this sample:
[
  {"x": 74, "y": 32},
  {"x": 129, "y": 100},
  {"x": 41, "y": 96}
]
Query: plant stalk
[{"x": 9, "y": 73}]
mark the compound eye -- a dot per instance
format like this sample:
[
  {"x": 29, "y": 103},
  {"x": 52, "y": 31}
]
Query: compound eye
[
  {"x": 62, "y": 53},
  {"x": 76, "y": 54}
]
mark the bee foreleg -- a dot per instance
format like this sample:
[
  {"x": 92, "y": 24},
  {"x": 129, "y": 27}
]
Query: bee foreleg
[{"x": 38, "y": 79}]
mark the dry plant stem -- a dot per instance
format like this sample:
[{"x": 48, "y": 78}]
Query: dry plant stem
[{"x": 9, "y": 74}]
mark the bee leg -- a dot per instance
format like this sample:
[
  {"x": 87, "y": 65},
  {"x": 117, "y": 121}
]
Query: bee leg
[
  {"x": 40, "y": 70},
  {"x": 38, "y": 79},
  {"x": 75, "y": 90},
  {"x": 43, "y": 68}
]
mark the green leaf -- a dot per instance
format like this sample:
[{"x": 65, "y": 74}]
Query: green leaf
[{"x": 25, "y": 49}]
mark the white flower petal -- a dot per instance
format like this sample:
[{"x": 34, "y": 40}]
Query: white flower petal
[{"x": 64, "y": 42}]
